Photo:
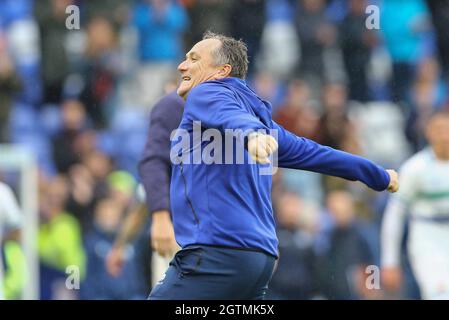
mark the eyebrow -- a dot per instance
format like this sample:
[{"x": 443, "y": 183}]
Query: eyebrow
[{"x": 192, "y": 53}]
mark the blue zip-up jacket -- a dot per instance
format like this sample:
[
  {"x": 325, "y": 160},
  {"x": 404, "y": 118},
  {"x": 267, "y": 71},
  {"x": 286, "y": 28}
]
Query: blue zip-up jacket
[{"x": 228, "y": 204}]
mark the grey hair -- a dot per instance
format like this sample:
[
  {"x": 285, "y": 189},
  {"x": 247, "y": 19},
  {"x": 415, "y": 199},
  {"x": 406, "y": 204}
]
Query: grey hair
[{"x": 233, "y": 52}]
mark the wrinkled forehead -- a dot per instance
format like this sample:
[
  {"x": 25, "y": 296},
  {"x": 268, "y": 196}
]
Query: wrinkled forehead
[{"x": 205, "y": 47}]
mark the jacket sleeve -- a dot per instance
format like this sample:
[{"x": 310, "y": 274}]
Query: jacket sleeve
[
  {"x": 301, "y": 153},
  {"x": 155, "y": 165}
]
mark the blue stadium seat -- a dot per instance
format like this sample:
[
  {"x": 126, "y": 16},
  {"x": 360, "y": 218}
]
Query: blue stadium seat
[
  {"x": 23, "y": 119},
  {"x": 50, "y": 119}
]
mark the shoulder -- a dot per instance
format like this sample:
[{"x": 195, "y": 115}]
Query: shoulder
[
  {"x": 3, "y": 187},
  {"x": 417, "y": 162},
  {"x": 5, "y": 191},
  {"x": 169, "y": 100},
  {"x": 168, "y": 105},
  {"x": 212, "y": 85},
  {"x": 66, "y": 222},
  {"x": 209, "y": 89}
]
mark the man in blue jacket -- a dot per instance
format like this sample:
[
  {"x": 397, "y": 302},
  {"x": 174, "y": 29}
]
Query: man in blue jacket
[{"x": 221, "y": 210}]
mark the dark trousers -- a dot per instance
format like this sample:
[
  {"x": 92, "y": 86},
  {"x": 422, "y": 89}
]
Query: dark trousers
[
  {"x": 358, "y": 83},
  {"x": 403, "y": 77},
  {"x": 206, "y": 273}
]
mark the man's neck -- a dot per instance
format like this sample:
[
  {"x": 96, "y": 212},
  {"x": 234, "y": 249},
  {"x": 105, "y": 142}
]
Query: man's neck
[{"x": 442, "y": 155}]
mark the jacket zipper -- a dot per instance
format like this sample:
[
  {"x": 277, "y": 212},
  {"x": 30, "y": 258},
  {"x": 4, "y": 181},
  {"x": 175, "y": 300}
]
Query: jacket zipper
[{"x": 197, "y": 220}]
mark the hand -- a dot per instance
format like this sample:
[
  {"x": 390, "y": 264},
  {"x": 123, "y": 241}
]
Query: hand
[
  {"x": 261, "y": 146},
  {"x": 162, "y": 234},
  {"x": 391, "y": 278},
  {"x": 115, "y": 261},
  {"x": 394, "y": 181}
]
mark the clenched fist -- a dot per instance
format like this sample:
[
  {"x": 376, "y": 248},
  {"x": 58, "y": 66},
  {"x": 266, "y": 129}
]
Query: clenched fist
[
  {"x": 394, "y": 181},
  {"x": 261, "y": 146}
]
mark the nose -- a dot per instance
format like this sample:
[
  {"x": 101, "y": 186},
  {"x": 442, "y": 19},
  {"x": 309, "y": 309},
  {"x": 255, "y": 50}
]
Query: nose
[{"x": 182, "y": 66}]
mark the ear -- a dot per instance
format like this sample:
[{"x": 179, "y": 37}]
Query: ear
[{"x": 225, "y": 71}]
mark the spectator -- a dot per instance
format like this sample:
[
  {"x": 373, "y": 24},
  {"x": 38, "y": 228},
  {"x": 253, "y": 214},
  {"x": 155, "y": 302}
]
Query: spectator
[
  {"x": 59, "y": 240},
  {"x": 342, "y": 261},
  {"x": 98, "y": 283},
  {"x": 10, "y": 220},
  {"x": 15, "y": 270},
  {"x": 160, "y": 25},
  {"x": 294, "y": 276},
  {"x": 51, "y": 17},
  {"x": 356, "y": 42},
  {"x": 115, "y": 11},
  {"x": 316, "y": 34},
  {"x": 296, "y": 114},
  {"x": 121, "y": 187},
  {"x": 439, "y": 11},
  {"x": 209, "y": 14},
  {"x": 403, "y": 25},
  {"x": 334, "y": 125},
  {"x": 9, "y": 86},
  {"x": 428, "y": 95},
  {"x": 100, "y": 69},
  {"x": 248, "y": 26},
  {"x": 280, "y": 44},
  {"x": 66, "y": 144},
  {"x": 88, "y": 184},
  {"x": 22, "y": 34}
]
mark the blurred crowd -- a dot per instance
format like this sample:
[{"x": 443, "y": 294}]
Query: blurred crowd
[{"x": 80, "y": 100}]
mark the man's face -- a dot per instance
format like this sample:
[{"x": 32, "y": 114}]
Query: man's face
[
  {"x": 341, "y": 207},
  {"x": 198, "y": 66},
  {"x": 438, "y": 133}
]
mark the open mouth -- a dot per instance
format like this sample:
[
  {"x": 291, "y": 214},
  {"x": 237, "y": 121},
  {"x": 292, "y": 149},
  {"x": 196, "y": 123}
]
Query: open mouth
[{"x": 186, "y": 78}]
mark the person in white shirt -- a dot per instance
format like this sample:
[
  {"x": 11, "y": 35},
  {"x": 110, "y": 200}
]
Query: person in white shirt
[
  {"x": 424, "y": 194},
  {"x": 10, "y": 222}
]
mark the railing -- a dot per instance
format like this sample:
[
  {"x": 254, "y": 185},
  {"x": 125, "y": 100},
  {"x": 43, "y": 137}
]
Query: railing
[{"x": 18, "y": 158}]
